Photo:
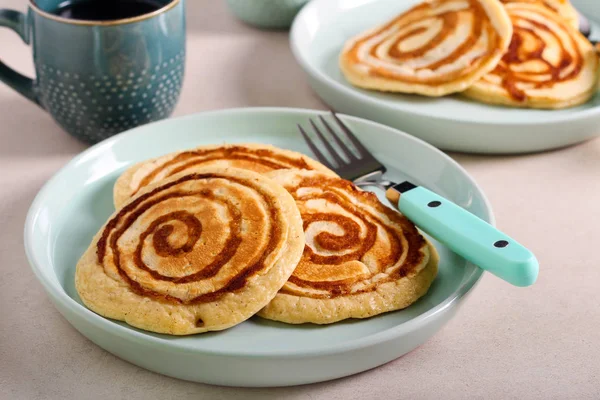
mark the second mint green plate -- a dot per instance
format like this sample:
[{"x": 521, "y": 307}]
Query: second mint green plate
[
  {"x": 451, "y": 123},
  {"x": 76, "y": 202}
]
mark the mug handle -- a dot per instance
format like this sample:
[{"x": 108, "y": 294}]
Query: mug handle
[{"x": 17, "y": 21}]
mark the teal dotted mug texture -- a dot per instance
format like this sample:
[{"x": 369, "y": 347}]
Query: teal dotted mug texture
[{"x": 98, "y": 78}]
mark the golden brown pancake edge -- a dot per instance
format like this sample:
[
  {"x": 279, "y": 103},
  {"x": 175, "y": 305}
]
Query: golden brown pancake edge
[{"x": 255, "y": 157}]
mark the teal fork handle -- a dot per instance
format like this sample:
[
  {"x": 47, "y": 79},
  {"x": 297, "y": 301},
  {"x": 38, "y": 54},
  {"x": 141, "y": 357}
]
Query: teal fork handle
[
  {"x": 467, "y": 235},
  {"x": 17, "y": 22}
]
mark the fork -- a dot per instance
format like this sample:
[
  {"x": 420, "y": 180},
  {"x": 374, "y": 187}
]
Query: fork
[{"x": 464, "y": 233}]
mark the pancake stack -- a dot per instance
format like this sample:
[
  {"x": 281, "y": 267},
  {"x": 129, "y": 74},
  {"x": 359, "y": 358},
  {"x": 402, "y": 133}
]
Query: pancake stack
[
  {"x": 521, "y": 53},
  {"x": 203, "y": 239}
]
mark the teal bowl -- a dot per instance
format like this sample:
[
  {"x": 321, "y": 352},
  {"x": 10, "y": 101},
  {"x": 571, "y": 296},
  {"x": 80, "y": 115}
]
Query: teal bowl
[{"x": 266, "y": 14}]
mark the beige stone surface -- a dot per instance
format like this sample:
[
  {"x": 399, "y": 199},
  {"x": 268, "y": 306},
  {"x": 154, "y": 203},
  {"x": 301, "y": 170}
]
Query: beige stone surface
[{"x": 505, "y": 343}]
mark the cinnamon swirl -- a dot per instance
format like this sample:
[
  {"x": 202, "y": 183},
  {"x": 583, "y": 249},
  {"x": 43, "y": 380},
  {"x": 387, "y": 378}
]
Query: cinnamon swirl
[
  {"x": 549, "y": 64},
  {"x": 255, "y": 157},
  {"x": 361, "y": 258},
  {"x": 200, "y": 251},
  {"x": 561, "y": 7},
  {"x": 436, "y": 48}
]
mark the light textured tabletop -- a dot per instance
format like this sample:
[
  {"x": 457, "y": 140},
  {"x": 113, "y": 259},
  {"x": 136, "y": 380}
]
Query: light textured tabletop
[{"x": 541, "y": 342}]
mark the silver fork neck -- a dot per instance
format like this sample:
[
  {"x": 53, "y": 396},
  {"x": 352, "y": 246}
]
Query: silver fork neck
[{"x": 374, "y": 179}]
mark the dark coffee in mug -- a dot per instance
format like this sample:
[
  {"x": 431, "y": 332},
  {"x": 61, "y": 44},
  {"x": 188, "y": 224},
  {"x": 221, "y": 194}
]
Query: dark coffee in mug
[{"x": 106, "y": 10}]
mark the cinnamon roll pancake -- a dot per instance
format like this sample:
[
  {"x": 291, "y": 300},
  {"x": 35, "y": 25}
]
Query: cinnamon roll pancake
[
  {"x": 255, "y": 157},
  {"x": 549, "y": 64},
  {"x": 435, "y": 48},
  {"x": 561, "y": 7},
  {"x": 361, "y": 258},
  {"x": 199, "y": 251}
]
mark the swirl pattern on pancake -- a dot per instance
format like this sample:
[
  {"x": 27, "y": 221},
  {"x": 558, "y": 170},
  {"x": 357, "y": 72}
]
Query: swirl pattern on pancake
[
  {"x": 199, "y": 251},
  {"x": 361, "y": 258},
  {"x": 561, "y": 7},
  {"x": 253, "y": 157},
  {"x": 436, "y": 48},
  {"x": 548, "y": 64}
]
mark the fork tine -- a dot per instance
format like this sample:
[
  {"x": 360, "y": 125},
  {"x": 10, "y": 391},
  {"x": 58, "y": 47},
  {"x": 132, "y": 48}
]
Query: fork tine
[
  {"x": 364, "y": 153},
  {"x": 314, "y": 148},
  {"x": 327, "y": 144},
  {"x": 337, "y": 139}
]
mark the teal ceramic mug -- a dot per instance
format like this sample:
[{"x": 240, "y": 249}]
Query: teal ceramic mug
[{"x": 98, "y": 78}]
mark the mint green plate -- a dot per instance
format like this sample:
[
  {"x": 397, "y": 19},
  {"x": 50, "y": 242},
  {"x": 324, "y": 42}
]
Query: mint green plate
[
  {"x": 77, "y": 201},
  {"x": 452, "y": 123}
]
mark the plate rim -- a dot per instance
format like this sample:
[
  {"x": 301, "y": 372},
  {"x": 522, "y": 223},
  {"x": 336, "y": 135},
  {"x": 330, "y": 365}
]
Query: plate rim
[
  {"x": 60, "y": 297},
  {"x": 317, "y": 73}
]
